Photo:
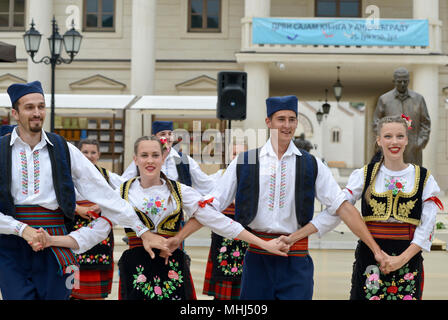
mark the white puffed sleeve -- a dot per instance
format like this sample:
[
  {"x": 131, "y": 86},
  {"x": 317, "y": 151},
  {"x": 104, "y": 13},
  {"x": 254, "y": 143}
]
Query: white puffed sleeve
[
  {"x": 424, "y": 233},
  {"x": 208, "y": 216}
]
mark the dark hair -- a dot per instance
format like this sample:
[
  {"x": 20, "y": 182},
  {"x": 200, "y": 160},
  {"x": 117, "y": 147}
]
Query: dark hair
[
  {"x": 88, "y": 141},
  {"x": 15, "y": 105}
]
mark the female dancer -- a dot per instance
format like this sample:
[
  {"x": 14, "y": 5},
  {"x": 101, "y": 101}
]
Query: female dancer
[
  {"x": 399, "y": 206},
  {"x": 97, "y": 264},
  {"x": 160, "y": 204}
]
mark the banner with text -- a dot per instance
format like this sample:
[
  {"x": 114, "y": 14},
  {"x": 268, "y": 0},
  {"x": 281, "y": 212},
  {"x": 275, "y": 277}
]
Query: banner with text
[{"x": 343, "y": 32}]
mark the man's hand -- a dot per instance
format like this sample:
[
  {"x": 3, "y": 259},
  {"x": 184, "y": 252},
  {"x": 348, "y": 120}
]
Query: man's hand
[
  {"x": 151, "y": 240},
  {"x": 83, "y": 211},
  {"x": 37, "y": 240}
]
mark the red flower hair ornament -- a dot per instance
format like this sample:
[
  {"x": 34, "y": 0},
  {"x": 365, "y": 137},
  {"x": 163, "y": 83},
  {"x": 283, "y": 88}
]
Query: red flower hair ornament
[
  {"x": 164, "y": 143},
  {"x": 408, "y": 120}
]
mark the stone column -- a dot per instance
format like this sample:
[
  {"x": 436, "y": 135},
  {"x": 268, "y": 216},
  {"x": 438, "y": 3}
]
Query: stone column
[
  {"x": 257, "y": 93},
  {"x": 257, "y": 75},
  {"x": 143, "y": 47},
  {"x": 425, "y": 79},
  {"x": 41, "y": 11},
  {"x": 143, "y": 59},
  {"x": 257, "y": 8},
  {"x": 424, "y": 9}
]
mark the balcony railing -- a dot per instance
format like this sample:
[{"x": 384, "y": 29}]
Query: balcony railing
[{"x": 431, "y": 29}]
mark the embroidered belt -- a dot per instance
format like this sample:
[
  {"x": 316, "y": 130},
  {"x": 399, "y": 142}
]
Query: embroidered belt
[
  {"x": 53, "y": 222},
  {"x": 393, "y": 230},
  {"x": 298, "y": 249},
  {"x": 135, "y": 242}
]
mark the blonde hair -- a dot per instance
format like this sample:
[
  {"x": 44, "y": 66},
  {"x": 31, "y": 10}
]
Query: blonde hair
[{"x": 381, "y": 123}]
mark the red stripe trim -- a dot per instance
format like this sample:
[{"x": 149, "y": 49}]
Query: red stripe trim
[
  {"x": 97, "y": 216},
  {"x": 437, "y": 201},
  {"x": 394, "y": 231}
]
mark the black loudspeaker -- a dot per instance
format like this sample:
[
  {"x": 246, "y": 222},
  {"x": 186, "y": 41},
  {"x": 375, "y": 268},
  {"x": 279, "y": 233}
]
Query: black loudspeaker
[{"x": 232, "y": 87}]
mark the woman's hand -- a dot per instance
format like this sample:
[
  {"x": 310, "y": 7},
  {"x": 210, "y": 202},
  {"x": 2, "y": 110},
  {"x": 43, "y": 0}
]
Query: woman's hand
[
  {"x": 173, "y": 243},
  {"x": 151, "y": 240}
]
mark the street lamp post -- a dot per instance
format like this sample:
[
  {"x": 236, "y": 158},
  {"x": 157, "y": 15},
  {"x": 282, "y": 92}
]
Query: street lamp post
[{"x": 72, "y": 43}]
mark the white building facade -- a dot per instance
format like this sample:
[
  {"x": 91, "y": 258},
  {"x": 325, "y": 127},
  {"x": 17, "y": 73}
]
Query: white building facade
[{"x": 177, "y": 47}]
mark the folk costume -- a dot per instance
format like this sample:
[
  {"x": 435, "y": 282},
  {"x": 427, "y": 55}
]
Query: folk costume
[
  {"x": 275, "y": 197},
  {"x": 224, "y": 265},
  {"x": 402, "y": 210},
  {"x": 40, "y": 193},
  {"x": 96, "y": 266},
  {"x": 161, "y": 211},
  {"x": 178, "y": 166}
]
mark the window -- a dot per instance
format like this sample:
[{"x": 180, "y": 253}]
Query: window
[
  {"x": 204, "y": 16},
  {"x": 99, "y": 15},
  {"x": 338, "y": 8},
  {"x": 335, "y": 135},
  {"x": 12, "y": 15}
]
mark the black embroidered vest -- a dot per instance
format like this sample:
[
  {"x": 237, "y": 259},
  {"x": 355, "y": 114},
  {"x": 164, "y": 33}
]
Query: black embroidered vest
[
  {"x": 61, "y": 172},
  {"x": 405, "y": 207},
  {"x": 247, "y": 194},
  {"x": 171, "y": 224}
]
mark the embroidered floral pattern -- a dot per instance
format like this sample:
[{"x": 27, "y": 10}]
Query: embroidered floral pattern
[
  {"x": 231, "y": 261},
  {"x": 36, "y": 171},
  {"x": 94, "y": 258},
  {"x": 401, "y": 286},
  {"x": 271, "y": 197},
  {"x": 395, "y": 184},
  {"x": 17, "y": 228},
  {"x": 24, "y": 170},
  {"x": 153, "y": 206},
  {"x": 282, "y": 184},
  {"x": 156, "y": 289}
]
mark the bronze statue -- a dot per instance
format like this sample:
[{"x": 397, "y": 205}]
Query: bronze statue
[{"x": 400, "y": 101}]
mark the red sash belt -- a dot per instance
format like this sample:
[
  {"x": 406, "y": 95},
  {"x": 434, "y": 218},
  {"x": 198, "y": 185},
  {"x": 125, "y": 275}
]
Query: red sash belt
[
  {"x": 53, "y": 222},
  {"x": 298, "y": 249},
  {"x": 393, "y": 231}
]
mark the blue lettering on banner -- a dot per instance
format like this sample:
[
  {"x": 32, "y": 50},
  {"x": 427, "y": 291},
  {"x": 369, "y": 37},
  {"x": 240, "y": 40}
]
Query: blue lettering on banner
[{"x": 344, "y": 32}]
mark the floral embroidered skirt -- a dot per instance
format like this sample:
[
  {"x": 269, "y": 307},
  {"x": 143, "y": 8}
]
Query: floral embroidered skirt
[
  {"x": 224, "y": 268},
  {"x": 369, "y": 283},
  {"x": 96, "y": 268},
  {"x": 143, "y": 278}
]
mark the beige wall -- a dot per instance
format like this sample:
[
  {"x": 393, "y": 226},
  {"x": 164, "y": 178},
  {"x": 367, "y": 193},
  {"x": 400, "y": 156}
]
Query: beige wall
[{"x": 182, "y": 57}]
